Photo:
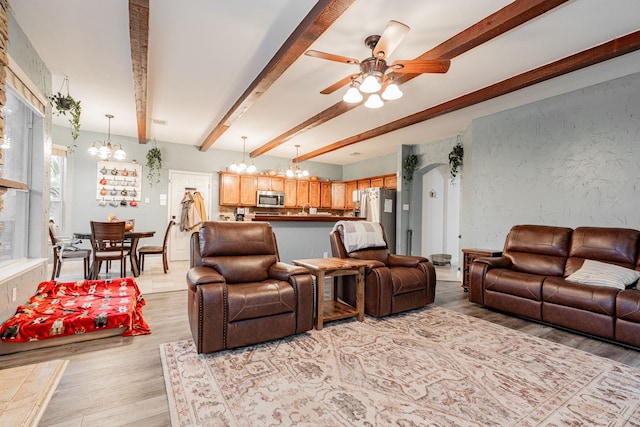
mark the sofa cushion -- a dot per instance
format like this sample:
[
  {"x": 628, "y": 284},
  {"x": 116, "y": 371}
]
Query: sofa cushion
[
  {"x": 523, "y": 285},
  {"x": 598, "y": 273},
  {"x": 262, "y": 299},
  {"x": 607, "y": 244},
  {"x": 538, "y": 249},
  {"x": 596, "y": 299}
]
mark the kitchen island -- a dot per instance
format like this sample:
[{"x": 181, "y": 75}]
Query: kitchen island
[{"x": 303, "y": 236}]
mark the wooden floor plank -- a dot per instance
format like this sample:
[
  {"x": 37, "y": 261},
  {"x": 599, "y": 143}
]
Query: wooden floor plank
[{"x": 119, "y": 381}]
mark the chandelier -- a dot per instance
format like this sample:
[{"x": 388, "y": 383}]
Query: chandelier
[
  {"x": 294, "y": 170},
  {"x": 104, "y": 149},
  {"x": 242, "y": 167}
]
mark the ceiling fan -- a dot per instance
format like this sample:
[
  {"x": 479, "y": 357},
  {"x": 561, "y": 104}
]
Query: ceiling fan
[{"x": 376, "y": 75}]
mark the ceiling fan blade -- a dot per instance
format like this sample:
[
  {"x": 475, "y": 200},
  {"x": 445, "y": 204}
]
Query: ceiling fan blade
[
  {"x": 331, "y": 57},
  {"x": 340, "y": 83},
  {"x": 393, "y": 34},
  {"x": 417, "y": 67}
]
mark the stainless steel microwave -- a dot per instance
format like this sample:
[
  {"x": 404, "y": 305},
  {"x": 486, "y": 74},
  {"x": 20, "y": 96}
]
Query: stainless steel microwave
[{"x": 270, "y": 199}]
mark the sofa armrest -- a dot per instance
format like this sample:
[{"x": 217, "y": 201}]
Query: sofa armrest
[
  {"x": 282, "y": 271},
  {"x": 494, "y": 262},
  {"x": 478, "y": 271},
  {"x": 203, "y": 275},
  {"x": 404, "y": 260}
]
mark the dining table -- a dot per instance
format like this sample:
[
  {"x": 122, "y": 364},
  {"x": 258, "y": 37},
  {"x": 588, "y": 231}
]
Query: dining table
[{"x": 134, "y": 237}]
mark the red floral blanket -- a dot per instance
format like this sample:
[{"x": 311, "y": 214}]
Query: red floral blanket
[{"x": 70, "y": 308}]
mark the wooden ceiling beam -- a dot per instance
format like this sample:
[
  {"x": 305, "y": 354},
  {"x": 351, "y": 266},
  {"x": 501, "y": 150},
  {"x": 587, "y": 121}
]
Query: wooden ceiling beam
[
  {"x": 612, "y": 49},
  {"x": 139, "y": 40},
  {"x": 505, "y": 19},
  {"x": 321, "y": 17}
]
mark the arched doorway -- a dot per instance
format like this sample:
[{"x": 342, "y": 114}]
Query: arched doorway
[{"x": 440, "y": 214}]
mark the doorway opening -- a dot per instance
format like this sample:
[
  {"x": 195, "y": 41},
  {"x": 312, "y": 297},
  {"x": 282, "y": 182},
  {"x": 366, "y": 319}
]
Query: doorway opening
[{"x": 441, "y": 221}]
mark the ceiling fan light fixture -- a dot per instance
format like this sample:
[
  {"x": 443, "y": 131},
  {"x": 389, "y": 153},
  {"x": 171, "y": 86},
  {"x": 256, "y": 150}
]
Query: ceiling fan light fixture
[
  {"x": 353, "y": 95},
  {"x": 374, "y": 101},
  {"x": 370, "y": 84},
  {"x": 392, "y": 92}
]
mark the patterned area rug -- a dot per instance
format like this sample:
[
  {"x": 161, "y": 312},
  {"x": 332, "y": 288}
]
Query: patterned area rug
[{"x": 430, "y": 367}]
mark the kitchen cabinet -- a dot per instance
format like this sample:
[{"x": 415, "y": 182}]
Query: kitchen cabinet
[
  {"x": 351, "y": 187},
  {"x": 302, "y": 193},
  {"x": 290, "y": 193},
  {"x": 277, "y": 183},
  {"x": 229, "y": 189},
  {"x": 338, "y": 191},
  {"x": 315, "y": 194},
  {"x": 248, "y": 192},
  {"x": 270, "y": 183},
  {"x": 391, "y": 181},
  {"x": 364, "y": 183},
  {"x": 264, "y": 183},
  {"x": 325, "y": 194},
  {"x": 377, "y": 182}
]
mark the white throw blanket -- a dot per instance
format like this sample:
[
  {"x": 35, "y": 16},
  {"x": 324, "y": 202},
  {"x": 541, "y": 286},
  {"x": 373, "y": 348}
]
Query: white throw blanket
[{"x": 360, "y": 234}]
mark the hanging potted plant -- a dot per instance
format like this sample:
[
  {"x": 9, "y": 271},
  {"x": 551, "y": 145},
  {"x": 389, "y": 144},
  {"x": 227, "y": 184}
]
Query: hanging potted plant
[
  {"x": 455, "y": 158},
  {"x": 409, "y": 167},
  {"x": 154, "y": 163},
  {"x": 66, "y": 105}
]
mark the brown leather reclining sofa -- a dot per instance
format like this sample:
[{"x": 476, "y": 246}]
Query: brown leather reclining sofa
[{"x": 529, "y": 280}]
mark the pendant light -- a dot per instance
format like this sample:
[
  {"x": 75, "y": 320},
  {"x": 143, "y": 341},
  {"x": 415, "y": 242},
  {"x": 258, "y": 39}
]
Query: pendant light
[
  {"x": 242, "y": 167},
  {"x": 294, "y": 170},
  {"x": 104, "y": 149}
]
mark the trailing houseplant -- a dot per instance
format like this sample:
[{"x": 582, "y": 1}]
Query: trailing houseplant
[
  {"x": 409, "y": 166},
  {"x": 154, "y": 163},
  {"x": 455, "y": 159},
  {"x": 66, "y": 105}
]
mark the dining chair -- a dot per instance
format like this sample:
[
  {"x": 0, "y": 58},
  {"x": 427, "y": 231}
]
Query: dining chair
[
  {"x": 108, "y": 243},
  {"x": 157, "y": 250},
  {"x": 63, "y": 249}
]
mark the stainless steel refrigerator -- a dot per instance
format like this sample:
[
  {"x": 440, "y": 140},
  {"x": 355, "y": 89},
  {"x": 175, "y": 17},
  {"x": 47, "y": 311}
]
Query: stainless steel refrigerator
[{"x": 379, "y": 205}]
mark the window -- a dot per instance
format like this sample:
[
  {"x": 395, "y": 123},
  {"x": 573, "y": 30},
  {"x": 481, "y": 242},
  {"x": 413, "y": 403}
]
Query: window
[
  {"x": 17, "y": 144},
  {"x": 56, "y": 193}
]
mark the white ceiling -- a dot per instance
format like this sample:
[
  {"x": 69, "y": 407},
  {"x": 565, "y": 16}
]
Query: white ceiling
[{"x": 203, "y": 54}]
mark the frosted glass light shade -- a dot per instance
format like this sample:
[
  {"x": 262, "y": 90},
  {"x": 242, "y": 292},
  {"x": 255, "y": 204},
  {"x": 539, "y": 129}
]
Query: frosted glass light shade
[
  {"x": 374, "y": 101},
  {"x": 370, "y": 85},
  {"x": 392, "y": 92},
  {"x": 352, "y": 96}
]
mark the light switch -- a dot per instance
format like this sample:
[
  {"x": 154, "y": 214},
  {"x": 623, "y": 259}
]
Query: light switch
[{"x": 405, "y": 206}]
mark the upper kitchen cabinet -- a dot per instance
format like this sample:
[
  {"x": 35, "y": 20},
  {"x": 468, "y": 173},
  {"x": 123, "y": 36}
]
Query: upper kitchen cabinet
[
  {"x": 229, "y": 189},
  {"x": 270, "y": 183},
  {"x": 325, "y": 194},
  {"x": 391, "y": 181},
  {"x": 338, "y": 191},
  {"x": 237, "y": 190}
]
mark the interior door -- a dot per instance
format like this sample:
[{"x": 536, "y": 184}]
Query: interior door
[{"x": 181, "y": 182}]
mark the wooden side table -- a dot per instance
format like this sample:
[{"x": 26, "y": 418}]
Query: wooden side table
[
  {"x": 334, "y": 267},
  {"x": 468, "y": 255}
]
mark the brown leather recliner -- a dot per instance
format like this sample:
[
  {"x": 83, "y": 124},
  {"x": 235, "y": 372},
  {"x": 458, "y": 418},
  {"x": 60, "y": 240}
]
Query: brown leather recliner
[
  {"x": 239, "y": 292},
  {"x": 393, "y": 283}
]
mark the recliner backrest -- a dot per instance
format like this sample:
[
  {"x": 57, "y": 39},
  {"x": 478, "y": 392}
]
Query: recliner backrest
[
  {"x": 605, "y": 244},
  {"x": 338, "y": 250},
  {"x": 240, "y": 251},
  {"x": 538, "y": 249}
]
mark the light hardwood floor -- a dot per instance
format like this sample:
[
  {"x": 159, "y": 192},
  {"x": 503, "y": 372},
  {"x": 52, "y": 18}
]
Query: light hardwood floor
[{"x": 118, "y": 381}]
